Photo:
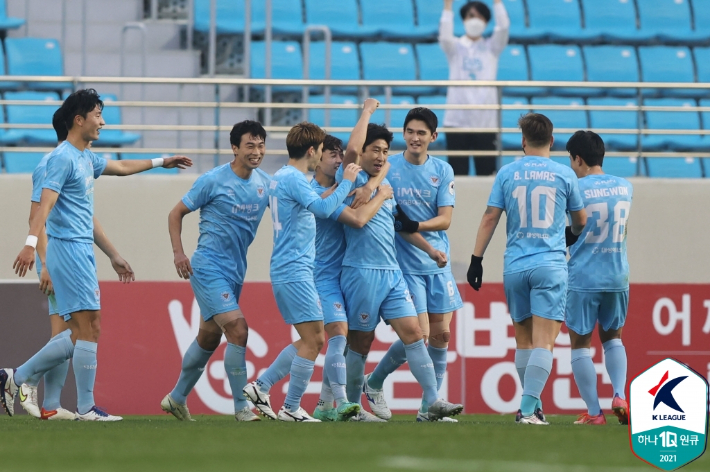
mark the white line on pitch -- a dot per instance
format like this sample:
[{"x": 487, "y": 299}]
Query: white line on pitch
[{"x": 453, "y": 465}]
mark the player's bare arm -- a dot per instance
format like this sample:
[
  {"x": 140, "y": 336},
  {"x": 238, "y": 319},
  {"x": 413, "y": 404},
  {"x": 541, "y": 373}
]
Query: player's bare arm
[
  {"x": 130, "y": 167},
  {"x": 364, "y": 193},
  {"x": 360, "y": 217},
  {"x": 45, "y": 281},
  {"x": 182, "y": 262},
  {"x": 418, "y": 241},
  {"x": 440, "y": 222},
  {"x": 359, "y": 134},
  {"x": 488, "y": 225},
  {"x": 579, "y": 221},
  {"x": 119, "y": 264},
  {"x": 26, "y": 259}
]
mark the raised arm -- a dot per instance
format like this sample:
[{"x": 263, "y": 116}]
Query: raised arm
[
  {"x": 359, "y": 133},
  {"x": 182, "y": 262},
  {"x": 364, "y": 193},
  {"x": 447, "y": 40},
  {"x": 418, "y": 241},
  {"x": 357, "y": 218},
  {"x": 135, "y": 166},
  {"x": 26, "y": 259},
  {"x": 324, "y": 207},
  {"x": 119, "y": 264},
  {"x": 440, "y": 222},
  {"x": 501, "y": 32}
]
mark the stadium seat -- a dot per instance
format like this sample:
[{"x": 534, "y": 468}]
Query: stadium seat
[
  {"x": 6, "y": 85},
  {"x": 36, "y": 56},
  {"x": 705, "y": 118},
  {"x": 341, "y": 17},
  {"x": 378, "y": 16},
  {"x": 396, "y": 121},
  {"x": 668, "y": 64},
  {"x": 432, "y": 66},
  {"x": 624, "y": 166},
  {"x": 615, "y": 120},
  {"x": 388, "y": 61},
  {"x": 702, "y": 62},
  {"x": 21, "y": 162},
  {"x": 338, "y": 117},
  {"x": 553, "y": 20},
  {"x": 701, "y": 15},
  {"x": 30, "y": 114},
  {"x": 156, "y": 170},
  {"x": 612, "y": 64},
  {"x": 674, "y": 167},
  {"x": 554, "y": 62},
  {"x": 344, "y": 65},
  {"x": 672, "y": 120},
  {"x": 513, "y": 65},
  {"x": 429, "y": 14},
  {"x": 510, "y": 120},
  {"x": 610, "y": 20},
  {"x": 286, "y": 17},
  {"x": 575, "y": 119},
  {"x": 112, "y": 116},
  {"x": 666, "y": 20},
  {"x": 230, "y": 16},
  {"x": 6, "y": 22},
  {"x": 286, "y": 62},
  {"x": 435, "y": 100}
]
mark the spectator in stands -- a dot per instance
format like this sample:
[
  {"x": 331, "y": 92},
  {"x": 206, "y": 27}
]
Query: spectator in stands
[{"x": 472, "y": 57}]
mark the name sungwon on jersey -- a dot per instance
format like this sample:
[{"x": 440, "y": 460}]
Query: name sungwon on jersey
[
  {"x": 535, "y": 175},
  {"x": 605, "y": 192}
]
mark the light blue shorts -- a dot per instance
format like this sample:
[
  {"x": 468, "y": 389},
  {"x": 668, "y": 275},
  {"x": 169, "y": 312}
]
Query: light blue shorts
[
  {"x": 215, "y": 293},
  {"x": 51, "y": 298},
  {"x": 72, "y": 266},
  {"x": 333, "y": 303},
  {"x": 584, "y": 309},
  {"x": 371, "y": 294},
  {"x": 434, "y": 293},
  {"x": 298, "y": 302},
  {"x": 541, "y": 292}
]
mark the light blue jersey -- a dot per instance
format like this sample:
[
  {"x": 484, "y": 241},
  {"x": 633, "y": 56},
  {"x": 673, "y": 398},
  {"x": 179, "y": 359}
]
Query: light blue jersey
[
  {"x": 71, "y": 173},
  {"x": 535, "y": 193},
  {"x": 38, "y": 178},
  {"x": 293, "y": 205},
  {"x": 330, "y": 247},
  {"x": 373, "y": 246},
  {"x": 421, "y": 190},
  {"x": 230, "y": 212},
  {"x": 598, "y": 260}
]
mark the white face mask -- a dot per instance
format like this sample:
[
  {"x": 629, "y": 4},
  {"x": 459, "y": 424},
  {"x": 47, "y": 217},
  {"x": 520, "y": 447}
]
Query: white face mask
[{"x": 474, "y": 27}]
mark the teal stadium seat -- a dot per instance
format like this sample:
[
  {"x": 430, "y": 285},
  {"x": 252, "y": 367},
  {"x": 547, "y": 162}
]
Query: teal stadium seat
[
  {"x": 30, "y": 114},
  {"x": 36, "y": 56},
  {"x": 557, "y": 62},
  {"x": 574, "y": 119},
  {"x": 341, "y": 17},
  {"x": 668, "y": 64},
  {"x": 396, "y": 122},
  {"x": 6, "y": 85},
  {"x": 612, "y": 64},
  {"x": 509, "y": 119},
  {"x": 705, "y": 117},
  {"x": 21, "y": 162},
  {"x": 555, "y": 20},
  {"x": 432, "y": 65},
  {"x": 701, "y": 15},
  {"x": 345, "y": 64},
  {"x": 616, "y": 120},
  {"x": 610, "y": 20},
  {"x": 6, "y": 22},
  {"x": 230, "y": 16},
  {"x": 429, "y": 14},
  {"x": 112, "y": 116},
  {"x": 157, "y": 170},
  {"x": 665, "y": 20},
  {"x": 674, "y": 167},
  {"x": 672, "y": 120},
  {"x": 341, "y": 118},
  {"x": 702, "y": 63},
  {"x": 513, "y": 65},
  {"x": 286, "y": 16},
  {"x": 389, "y": 61},
  {"x": 286, "y": 62},
  {"x": 378, "y": 15}
]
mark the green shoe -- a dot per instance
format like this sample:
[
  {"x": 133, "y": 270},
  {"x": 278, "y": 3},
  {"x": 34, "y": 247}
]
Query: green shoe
[
  {"x": 346, "y": 410},
  {"x": 325, "y": 415}
]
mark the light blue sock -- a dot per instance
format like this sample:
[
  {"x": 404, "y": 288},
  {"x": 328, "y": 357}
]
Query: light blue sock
[
  {"x": 394, "y": 358},
  {"x": 586, "y": 379},
  {"x": 438, "y": 357},
  {"x": 57, "y": 350},
  {"x": 301, "y": 372},
  {"x": 34, "y": 380},
  {"x": 615, "y": 360},
  {"x": 536, "y": 375},
  {"x": 355, "y": 374},
  {"x": 335, "y": 367},
  {"x": 278, "y": 369},
  {"x": 54, "y": 380},
  {"x": 422, "y": 368},
  {"x": 522, "y": 356},
  {"x": 193, "y": 364},
  {"x": 326, "y": 394},
  {"x": 235, "y": 364},
  {"x": 85, "y": 364}
]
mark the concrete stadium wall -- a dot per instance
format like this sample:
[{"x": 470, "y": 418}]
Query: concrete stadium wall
[{"x": 667, "y": 241}]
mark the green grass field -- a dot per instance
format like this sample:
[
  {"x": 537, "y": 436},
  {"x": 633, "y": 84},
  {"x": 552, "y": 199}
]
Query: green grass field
[{"x": 160, "y": 443}]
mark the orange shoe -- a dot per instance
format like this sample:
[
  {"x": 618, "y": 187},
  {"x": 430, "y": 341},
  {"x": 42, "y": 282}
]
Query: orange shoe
[
  {"x": 620, "y": 409},
  {"x": 586, "y": 418},
  {"x": 58, "y": 414}
]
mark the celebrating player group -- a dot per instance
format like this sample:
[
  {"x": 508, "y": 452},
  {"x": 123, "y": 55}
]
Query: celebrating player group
[{"x": 363, "y": 241}]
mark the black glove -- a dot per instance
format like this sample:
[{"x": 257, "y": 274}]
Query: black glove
[
  {"x": 403, "y": 223},
  {"x": 570, "y": 238},
  {"x": 475, "y": 273}
]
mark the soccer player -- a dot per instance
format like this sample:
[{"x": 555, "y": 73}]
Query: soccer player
[
  {"x": 424, "y": 189},
  {"x": 330, "y": 249},
  {"x": 54, "y": 378},
  {"x": 598, "y": 287},
  {"x": 372, "y": 281},
  {"x": 293, "y": 204},
  {"x": 232, "y": 199},
  {"x": 66, "y": 207},
  {"x": 535, "y": 194}
]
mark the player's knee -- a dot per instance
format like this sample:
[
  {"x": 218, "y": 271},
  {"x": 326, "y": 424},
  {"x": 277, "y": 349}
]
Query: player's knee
[
  {"x": 208, "y": 340},
  {"x": 440, "y": 338},
  {"x": 237, "y": 332},
  {"x": 318, "y": 341}
]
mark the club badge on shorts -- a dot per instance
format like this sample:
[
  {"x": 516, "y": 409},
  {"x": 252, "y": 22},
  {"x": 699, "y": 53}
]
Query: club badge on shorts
[{"x": 668, "y": 415}]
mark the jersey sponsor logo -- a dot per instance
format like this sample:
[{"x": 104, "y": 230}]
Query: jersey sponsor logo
[
  {"x": 535, "y": 164},
  {"x": 605, "y": 182},
  {"x": 364, "y": 318}
]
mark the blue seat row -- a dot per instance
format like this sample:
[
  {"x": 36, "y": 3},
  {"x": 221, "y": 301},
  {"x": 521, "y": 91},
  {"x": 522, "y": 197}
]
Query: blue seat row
[
  {"x": 6, "y": 22},
  {"x": 32, "y": 56},
  {"x": 588, "y": 21}
]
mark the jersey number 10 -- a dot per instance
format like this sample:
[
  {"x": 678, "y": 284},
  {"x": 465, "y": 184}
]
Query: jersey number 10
[{"x": 542, "y": 221}]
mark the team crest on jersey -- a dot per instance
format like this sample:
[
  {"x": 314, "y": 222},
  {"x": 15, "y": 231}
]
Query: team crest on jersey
[
  {"x": 226, "y": 296},
  {"x": 408, "y": 296},
  {"x": 260, "y": 191},
  {"x": 435, "y": 181},
  {"x": 97, "y": 294},
  {"x": 338, "y": 306},
  {"x": 394, "y": 176},
  {"x": 230, "y": 193},
  {"x": 364, "y": 318}
]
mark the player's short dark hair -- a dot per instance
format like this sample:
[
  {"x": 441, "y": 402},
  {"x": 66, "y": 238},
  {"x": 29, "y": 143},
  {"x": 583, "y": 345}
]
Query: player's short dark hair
[
  {"x": 536, "y": 128},
  {"x": 375, "y": 132},
  {"x": 331, "y": 143},
  {"x": 59, "y": 125},
  {"x": 249, "y": 127},
  {"x": 302, "y": 137},
  {"x": 588, "y": 145},
  {"x": 422, "y": 114},
  {"x": 480, "y": 7},
  {"x": 81, "y": 103}
]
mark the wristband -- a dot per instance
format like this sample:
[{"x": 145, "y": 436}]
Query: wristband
[
  {"x": 31, "y": 241},
  {"x": 158, "y": 162}
]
